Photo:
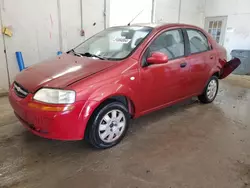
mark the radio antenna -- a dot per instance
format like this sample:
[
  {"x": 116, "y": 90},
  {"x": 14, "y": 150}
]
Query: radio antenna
[{"x": 135, "y": 17}]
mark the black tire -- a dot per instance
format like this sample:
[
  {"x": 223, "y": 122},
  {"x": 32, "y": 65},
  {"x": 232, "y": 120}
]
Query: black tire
[
  {"x": 204, "y": 98},
  {"x": 92, "y": 132}
]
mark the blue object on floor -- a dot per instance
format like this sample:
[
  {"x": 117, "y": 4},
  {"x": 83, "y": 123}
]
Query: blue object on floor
[
  {"x": 59, "y": 53},
  {"x": 19, "y": 58}
]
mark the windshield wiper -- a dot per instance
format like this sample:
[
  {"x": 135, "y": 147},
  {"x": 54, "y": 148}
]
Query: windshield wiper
[
  {"x": 73, "y": 51},
  {"x": 87, "y": 54}
]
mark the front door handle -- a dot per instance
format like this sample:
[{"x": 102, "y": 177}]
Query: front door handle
[{"x": 182, "y": 65}]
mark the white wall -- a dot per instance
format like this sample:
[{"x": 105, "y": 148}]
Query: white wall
[
  {"x": 189, "y": 11},
  {"x": 122, "y": 12},
  {"x": 34, "y": 25},
  {"x": 93, "y": 16},
  {"x": 166, "y": 11},
  {"x": 70, "y": 23},
  {"x": 238, "y": 28},
  {"x": 3, "y": 69},
  {"x": 193, "y": 12},
  {"x": 40, "y": 29}
]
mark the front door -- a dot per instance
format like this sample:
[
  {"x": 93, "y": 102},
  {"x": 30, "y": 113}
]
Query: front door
[
  {"x": 216, "y": 26},
  {"x": 162, "y": 84}
]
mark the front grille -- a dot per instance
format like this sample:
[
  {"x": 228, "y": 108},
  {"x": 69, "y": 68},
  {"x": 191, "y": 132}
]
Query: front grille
[{"x": 20, "y": 90}]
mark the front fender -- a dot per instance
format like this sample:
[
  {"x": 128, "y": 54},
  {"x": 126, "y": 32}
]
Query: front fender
[
  {"x": 100, "y": 95},
  {"x": 110, "y": 90}
]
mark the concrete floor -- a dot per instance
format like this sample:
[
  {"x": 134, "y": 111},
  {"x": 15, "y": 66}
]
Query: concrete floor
[{"x": 189, "y": 145}]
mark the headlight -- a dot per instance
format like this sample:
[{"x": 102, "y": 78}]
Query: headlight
[{"x": 55, "y": 96}]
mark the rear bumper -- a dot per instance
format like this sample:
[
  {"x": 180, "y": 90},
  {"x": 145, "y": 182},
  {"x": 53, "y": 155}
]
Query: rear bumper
[{"x": 68, "y": 125}]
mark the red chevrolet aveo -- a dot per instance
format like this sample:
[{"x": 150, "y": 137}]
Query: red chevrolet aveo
[{"x": 120, "y": 73}]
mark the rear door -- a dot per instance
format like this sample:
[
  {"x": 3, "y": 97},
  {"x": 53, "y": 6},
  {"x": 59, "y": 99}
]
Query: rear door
[{"x": 201, "y": 59}]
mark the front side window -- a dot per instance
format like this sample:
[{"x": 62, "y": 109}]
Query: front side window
[
  {"x": 170, "y": 43},
  {"x": 114, "y": 43},
  {"x": 198, "y": 41}
]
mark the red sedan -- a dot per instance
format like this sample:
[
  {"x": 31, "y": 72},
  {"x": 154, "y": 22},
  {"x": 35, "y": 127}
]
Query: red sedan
[{"x": 121, "y": 73}]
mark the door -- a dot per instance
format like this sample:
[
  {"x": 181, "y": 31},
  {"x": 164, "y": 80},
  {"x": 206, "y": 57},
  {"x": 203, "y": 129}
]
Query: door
[
  {"x": 161, "y": 84},
  {"x": 216, "y": 26},
  {"x": 201, "y": 59}
]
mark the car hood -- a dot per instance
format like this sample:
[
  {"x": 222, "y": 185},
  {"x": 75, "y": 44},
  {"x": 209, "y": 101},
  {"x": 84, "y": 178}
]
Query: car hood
[{"x": 60, "y": 72}]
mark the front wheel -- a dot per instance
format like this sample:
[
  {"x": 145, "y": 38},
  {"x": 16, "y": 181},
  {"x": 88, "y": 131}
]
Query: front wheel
[
  {"x": 210, "y": 91},
  {"x": 108, "y": 125}
]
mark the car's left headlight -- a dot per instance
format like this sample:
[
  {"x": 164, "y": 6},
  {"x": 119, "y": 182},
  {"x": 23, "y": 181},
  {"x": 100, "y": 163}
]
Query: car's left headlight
[{"x": 55, "y": 96}]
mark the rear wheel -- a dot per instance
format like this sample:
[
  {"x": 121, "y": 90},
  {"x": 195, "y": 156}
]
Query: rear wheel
[
  {"x": 210, "y": 91},
  {"x": 108, "y": 125}
]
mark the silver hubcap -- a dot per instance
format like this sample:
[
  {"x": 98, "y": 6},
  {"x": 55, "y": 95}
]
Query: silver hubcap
[
  {"x": 211, "y": 89},
  {"x": 112, "y": 126}
]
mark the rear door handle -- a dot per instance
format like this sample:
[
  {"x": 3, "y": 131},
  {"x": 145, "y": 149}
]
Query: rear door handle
[
  {"x": 211, "y": 57},
  {"x": 182, "y": 65}
]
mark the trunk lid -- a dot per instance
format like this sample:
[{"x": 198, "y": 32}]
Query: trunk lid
[{"x": 229, "y": 67}]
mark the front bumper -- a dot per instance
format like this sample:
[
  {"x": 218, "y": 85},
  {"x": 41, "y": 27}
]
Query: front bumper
[{"x": 67, "y": 125}]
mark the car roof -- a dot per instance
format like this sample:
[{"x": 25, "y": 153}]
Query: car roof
[{"x": 158, "y": 25}]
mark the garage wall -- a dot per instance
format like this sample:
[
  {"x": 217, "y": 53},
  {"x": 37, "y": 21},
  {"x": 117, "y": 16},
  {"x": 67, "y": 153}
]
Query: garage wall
[
  {"x": 193, "y": 12},
  {"x": 70, "y": 24},
  {"x": 122, "y": 12},
  {"x": 34, "y": 25},
  {"x": 237, "y": 34},
  {"x": 184, "y": 11},
  {"x": 3, "y": 68},
  {"x": 93, "y": 20},
  {"x": 42, "y": 28}
]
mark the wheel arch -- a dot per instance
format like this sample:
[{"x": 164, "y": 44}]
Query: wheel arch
[
  {"x": 104, "y": 95},
  {"x": 217, "y": 74},
  {"x": 128, "y": 103},
  {"x": 115, "y": 92},
  {"x": 125, "y": 100}
]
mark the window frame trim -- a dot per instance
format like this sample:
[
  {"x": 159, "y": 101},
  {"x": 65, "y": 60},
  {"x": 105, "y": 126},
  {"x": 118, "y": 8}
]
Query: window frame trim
[
  {"x": 188, "y": 41},
  {"x": 157, "y": 35}
]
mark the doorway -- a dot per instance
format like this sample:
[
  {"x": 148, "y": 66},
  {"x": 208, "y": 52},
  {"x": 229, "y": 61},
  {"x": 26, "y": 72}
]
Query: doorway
[{"x": 216, "y": 26}]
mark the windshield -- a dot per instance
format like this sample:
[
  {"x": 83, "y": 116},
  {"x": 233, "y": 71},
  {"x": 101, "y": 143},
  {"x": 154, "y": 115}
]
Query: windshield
[{"x": 113, "y": 43}]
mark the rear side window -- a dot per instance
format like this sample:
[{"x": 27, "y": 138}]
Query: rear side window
[{"x": 198, "y": 41}]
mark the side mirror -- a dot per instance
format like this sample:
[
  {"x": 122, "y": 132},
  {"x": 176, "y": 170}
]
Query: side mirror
[{"x": 157, "y": 58}]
